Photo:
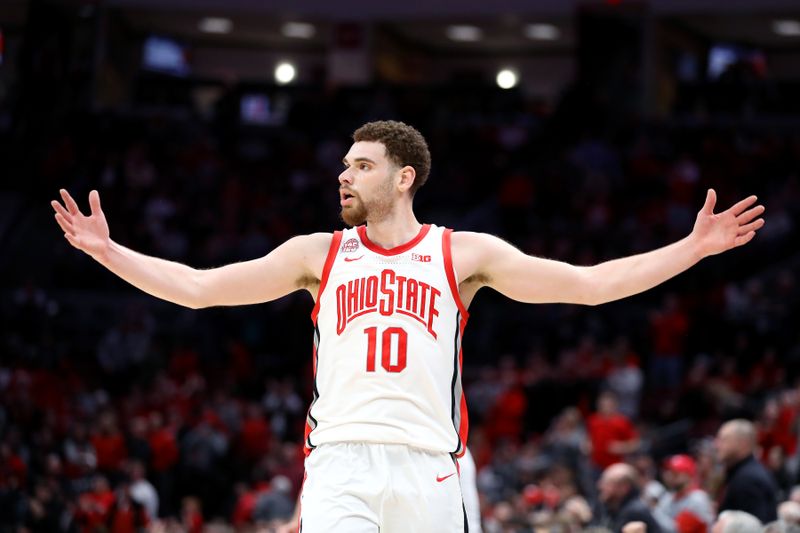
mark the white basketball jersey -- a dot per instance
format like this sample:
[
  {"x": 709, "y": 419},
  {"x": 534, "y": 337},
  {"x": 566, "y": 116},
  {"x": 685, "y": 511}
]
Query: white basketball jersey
[{"x": 387, "y": 345}]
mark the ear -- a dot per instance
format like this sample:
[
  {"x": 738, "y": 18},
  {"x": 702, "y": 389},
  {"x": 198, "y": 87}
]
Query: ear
[{"x": 407, "y": 177}]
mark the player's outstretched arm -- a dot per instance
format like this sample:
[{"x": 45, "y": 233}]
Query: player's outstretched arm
[
  {"x": 486, "y": 260},
  {"x": 295, "y": 264}
]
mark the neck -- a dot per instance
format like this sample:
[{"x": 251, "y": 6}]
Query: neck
[
  {"x": 735, "y": 461},
  {"x": 395, "y": 229}
]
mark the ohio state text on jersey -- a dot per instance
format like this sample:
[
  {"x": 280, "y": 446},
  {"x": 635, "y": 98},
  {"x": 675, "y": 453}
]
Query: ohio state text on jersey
[{"x": 387, "y": 345}]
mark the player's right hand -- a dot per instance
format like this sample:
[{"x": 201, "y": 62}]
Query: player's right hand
[{"x": 87, "y": 233}]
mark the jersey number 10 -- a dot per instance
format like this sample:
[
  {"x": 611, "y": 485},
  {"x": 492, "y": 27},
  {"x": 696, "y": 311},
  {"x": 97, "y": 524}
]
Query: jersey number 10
[{"x": 386, "y": 348}]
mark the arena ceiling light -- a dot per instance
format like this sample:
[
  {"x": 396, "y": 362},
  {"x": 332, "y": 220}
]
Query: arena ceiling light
[
  {"x": 786, "y": 27},
  {"x": 507, "y": 78},
  {"x": 298, "y": 30},
  {"x": 464, "y": 33},
  {"x": 542, "y": 32},
  {"x": 216, "y": 25},
  {"x": 285, "y": 72}
]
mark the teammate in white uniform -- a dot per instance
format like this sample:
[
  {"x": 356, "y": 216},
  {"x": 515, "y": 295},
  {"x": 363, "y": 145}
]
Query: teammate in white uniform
[{"x": 388, "y": 417}]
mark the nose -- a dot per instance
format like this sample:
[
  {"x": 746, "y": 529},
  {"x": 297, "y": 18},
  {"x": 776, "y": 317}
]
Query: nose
[{"x": 345, "y": 177}]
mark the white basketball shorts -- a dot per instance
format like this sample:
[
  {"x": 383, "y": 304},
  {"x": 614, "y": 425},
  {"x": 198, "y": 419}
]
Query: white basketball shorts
[{"x": 354, "y": 487}]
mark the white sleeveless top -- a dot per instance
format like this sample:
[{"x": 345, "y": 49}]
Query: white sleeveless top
[{"x": 387, "y": 345}]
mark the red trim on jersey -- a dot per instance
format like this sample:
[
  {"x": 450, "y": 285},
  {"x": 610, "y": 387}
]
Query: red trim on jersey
[
  {"x": 463, "y": 431},
  {"x": 451, "y": 274},
  {"x": 326, "y": 270},
  {"x": 362, "y": 232}
]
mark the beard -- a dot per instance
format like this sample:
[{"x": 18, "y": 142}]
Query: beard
[
  {"x": 355, "y": 214},
  {"x": 375, "y": 210}
]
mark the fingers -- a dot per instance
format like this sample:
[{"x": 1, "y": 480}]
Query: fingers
[
  {"x": 753, "y": 226},
  {"x": 65, "y": 224},
  {"x": 74, "y": 241},
  {"x": 61, "y": 211},
  {"x": 94, "y": 203},
  {"x": 740, "y": 206},
  {"x": 72, "y": 207},
  {"x": 750, "y": 214},
  {"x": 744, "y": 239},
  {"x": 711, "y": 201}
]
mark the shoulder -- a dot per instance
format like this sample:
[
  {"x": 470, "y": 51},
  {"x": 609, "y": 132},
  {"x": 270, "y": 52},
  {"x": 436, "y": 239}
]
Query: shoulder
[
  {"x": 473, "y": 238},
  {"x": 307, "y": 252},
  {"x": 698, "y": 497},
  {"x": 752, "y": 467},
  {"x": 480, "y": 246},
  {"x": 751, "y": 475},
  {"x": 638, "y": 510},
  {"x": 312, "y": 243},
  {"x": 471, "y": 251}
]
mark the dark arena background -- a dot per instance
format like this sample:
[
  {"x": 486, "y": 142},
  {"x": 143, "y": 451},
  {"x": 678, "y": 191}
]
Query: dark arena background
[{"x": 578, "y": 130}]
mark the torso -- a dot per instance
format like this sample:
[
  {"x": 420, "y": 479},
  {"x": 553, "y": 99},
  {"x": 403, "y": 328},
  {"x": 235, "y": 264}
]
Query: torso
[{"x": 388, "y": 326}]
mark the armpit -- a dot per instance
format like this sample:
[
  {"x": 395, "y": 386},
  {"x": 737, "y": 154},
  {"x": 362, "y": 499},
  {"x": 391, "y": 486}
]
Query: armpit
[
  {"x": 309, "y": 283},
  {"x": 479, "y": 279}
]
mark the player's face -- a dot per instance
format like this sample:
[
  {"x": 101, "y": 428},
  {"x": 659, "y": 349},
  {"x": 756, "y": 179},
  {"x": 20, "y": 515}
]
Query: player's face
[{"x": 367, "y": 183}]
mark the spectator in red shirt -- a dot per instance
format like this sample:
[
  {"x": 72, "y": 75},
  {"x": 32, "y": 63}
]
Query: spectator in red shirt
[
  {"x": 126, "y": 515},
  {"x": 109, "y": 444},
  {"x": 255, "y": 436},
  {"x": 94, "y": 507},
  {"x": 164, "y": 454},
  {"x": 669, "y": 327},
  {"x": 191, "y": 515},
  {"x": 611, "y": 434}
]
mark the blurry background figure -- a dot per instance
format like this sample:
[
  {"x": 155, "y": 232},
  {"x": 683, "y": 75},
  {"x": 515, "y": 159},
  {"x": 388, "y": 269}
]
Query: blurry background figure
[
  {"x": 736, "y": 522},
  {"x": 611, "y": 433},
  {"x": 620, "y": 498},
  {"x": 789, "y": 513},
  {"x": 141, "y": 490},
  {"x": 276, "y": 505},
  {"x": 748, "y": 485},
  {"x": 688, "y": 507}
]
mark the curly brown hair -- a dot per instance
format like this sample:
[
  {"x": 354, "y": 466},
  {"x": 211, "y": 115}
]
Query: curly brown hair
[{"x": 404, "y": 146}]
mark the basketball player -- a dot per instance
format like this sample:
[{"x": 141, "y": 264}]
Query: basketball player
[{"x": 388, "y": 416}]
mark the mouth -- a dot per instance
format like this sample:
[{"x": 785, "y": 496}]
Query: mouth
[{"x": 345, "y": 198}]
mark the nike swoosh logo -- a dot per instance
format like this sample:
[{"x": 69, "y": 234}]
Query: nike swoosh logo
[
  {"x": 440, "y": 479},
  {"x": 348, "y": 259}
]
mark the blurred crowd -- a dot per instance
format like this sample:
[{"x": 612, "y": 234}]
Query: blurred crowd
[{"x": 119, "y": 413}]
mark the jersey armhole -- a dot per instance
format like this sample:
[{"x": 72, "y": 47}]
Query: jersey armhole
[
  {"x": 326, "y": 270},
  {"x": 450, "y": 271}
]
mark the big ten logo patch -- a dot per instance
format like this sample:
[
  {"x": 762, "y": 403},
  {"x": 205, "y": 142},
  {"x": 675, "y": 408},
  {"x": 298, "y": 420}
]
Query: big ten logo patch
[
  {"x": 350, "y": 245},
  {"x": 421, "y": 258}
]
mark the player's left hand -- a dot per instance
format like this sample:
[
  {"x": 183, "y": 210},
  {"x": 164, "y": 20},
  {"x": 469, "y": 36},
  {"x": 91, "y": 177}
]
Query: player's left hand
[{"x": 716, "y": 233}]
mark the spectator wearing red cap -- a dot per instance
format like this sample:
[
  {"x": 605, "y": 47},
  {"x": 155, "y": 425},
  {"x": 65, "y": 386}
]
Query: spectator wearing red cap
[{"x": 687, "y": 505}]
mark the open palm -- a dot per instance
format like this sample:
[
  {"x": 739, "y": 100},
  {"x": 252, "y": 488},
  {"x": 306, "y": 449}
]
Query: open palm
[
  {"x": 86, "y": 233},
  {"x": 736, "y": 226}
]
